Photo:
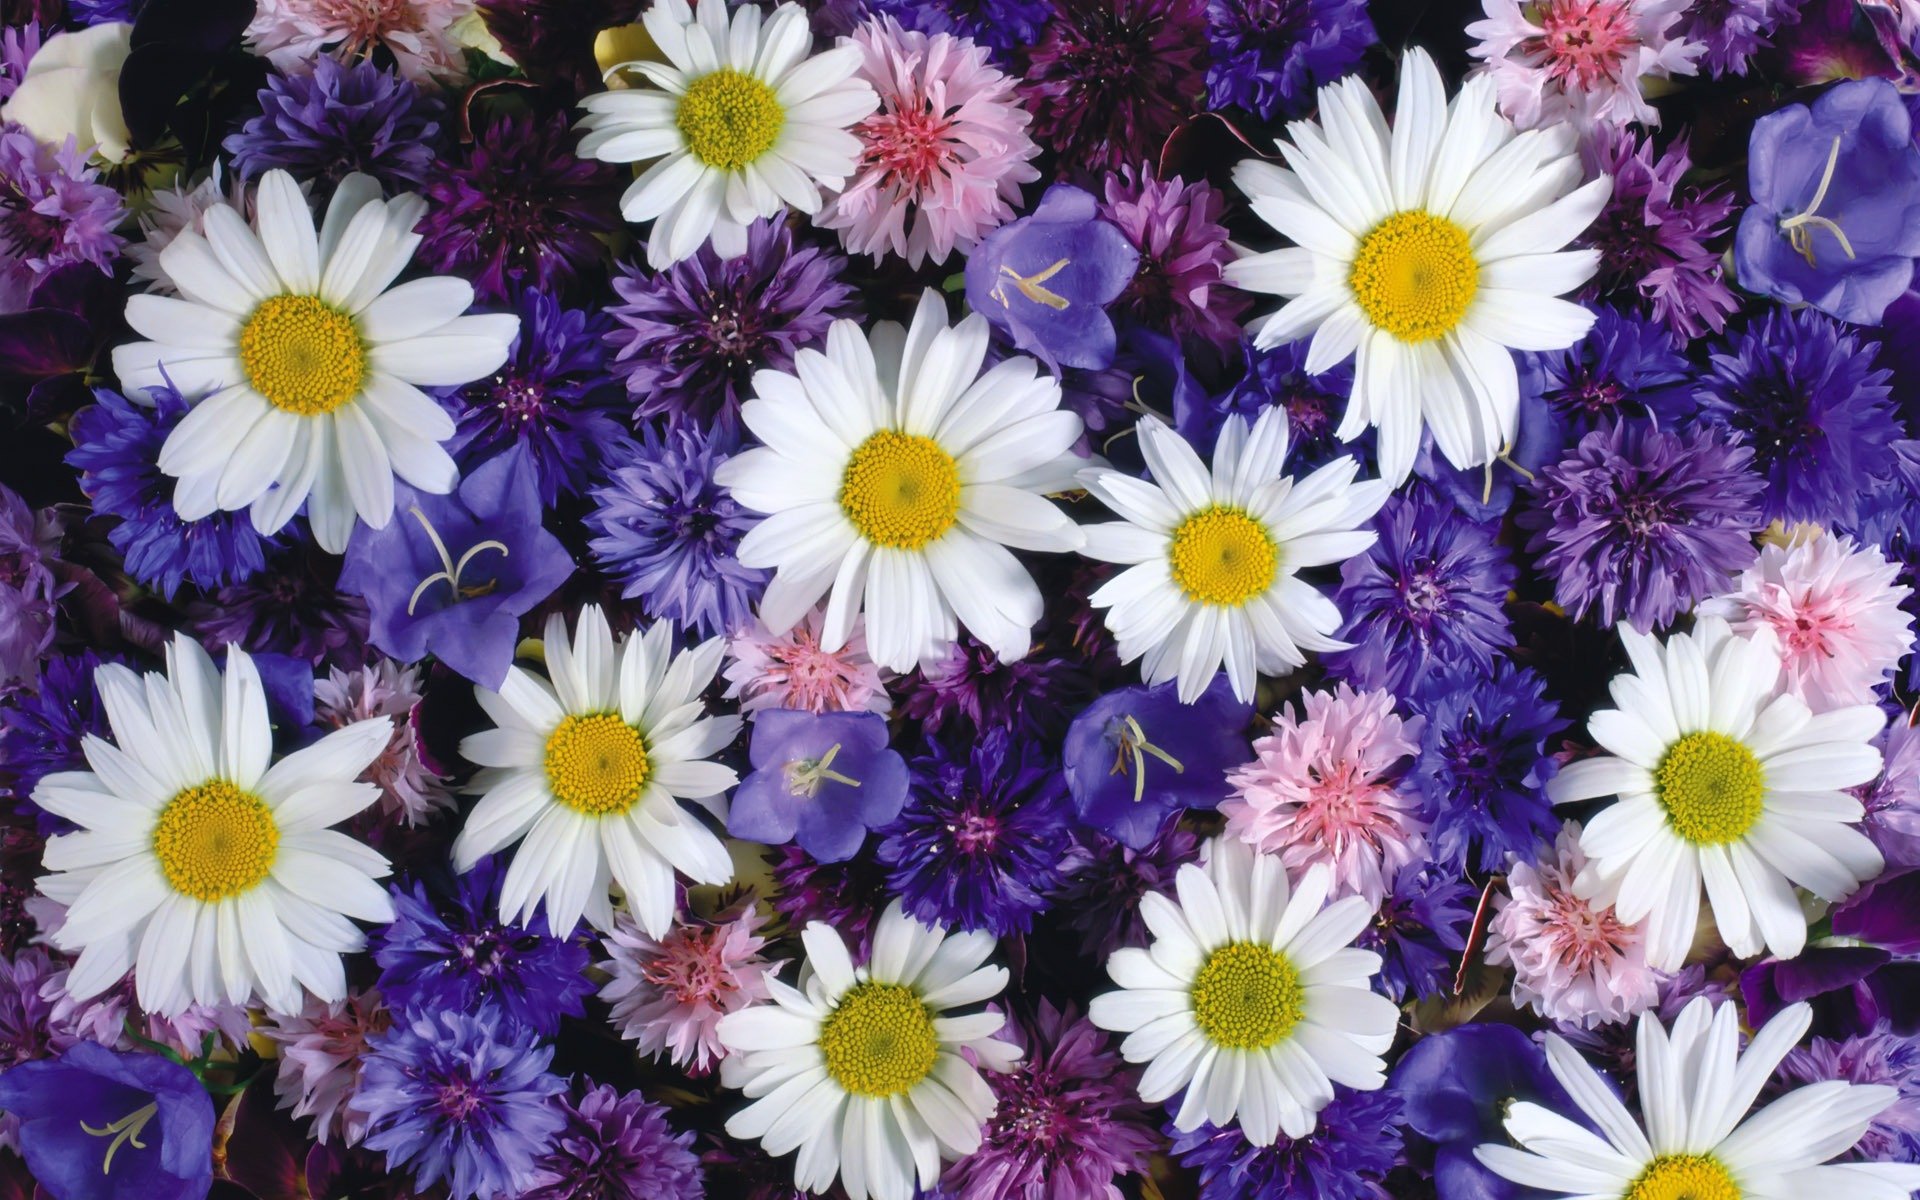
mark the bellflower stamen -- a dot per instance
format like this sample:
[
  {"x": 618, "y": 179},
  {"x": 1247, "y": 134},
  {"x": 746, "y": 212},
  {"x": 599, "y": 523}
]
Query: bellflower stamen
[
  {"x": 1797, "y": 228},
  {"x": 1029, "y": 286},
  {"x": 125, "y": 1131},
  {"x": 453, "y": 569},
  {"x": 1132, "y": 747},
  {"x": 805, "y": 775}
]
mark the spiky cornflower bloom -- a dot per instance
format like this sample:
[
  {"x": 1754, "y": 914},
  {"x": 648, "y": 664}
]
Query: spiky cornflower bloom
[
  {"x": 1429, "y": 593},
  {"x": 448, "y": 950},
  {"x": 1892, "y": 801},
  {"x": 321, "y": 1049},
  {"x": 461, "y": 1097},
  {"x": 667, "y": 996},
  {"x": 54, "y": 212},
  {"x": 1419, "y": 931},
  {"x": 1878, "y": 1056},
  {"x": 171, "y": 211},
  {"x": 690, "y": 337},
  {"x": 327, "y": 124},
  {"x": 18, "y": 45},
  {"x": 26, "y": 1015},
  {"x": 417, "y": 33},
  {"x": 849, "y": 896},
  {"x": 1653, "y": 235},
  {"x": 410, "y": 792},
  {"x": 1101, "y": 899},
  {"x": 789, "y": 670},
  {"x": 670, "y": 535},
  {"x": 1314, "y": 403},
  {"x": 1175, "y": 225},
  {"x": 1627, "y": 366},
  {"x": 1357, "y": 1142},
  {"x": 1580, "y": 62},
  {"x": 1271, "y": 56},
  {"x": 1483, "y": 765},
  {"x": 1637, "y": 523},
  {"x": 1006, "y": 26},
  {"x": 983, "y": 837},
  {"x": 1068, "y": 1120},
  {"x": 1733, "y": 31},
  {"x": 1110, "y": 79},
  {"x": 1805, "y": 395},
  {"x": 292, "y": 606},
  {"x": 41, "y": 730},
  {"x": 617, "y": 1146},
  {"x": 970, "y": 686}
]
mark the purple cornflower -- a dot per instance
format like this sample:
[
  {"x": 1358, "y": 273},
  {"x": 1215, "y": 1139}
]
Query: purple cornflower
[
  {"x": 971, "y": 688},
  {"x": 54, "y": 211},
  {"x": 691, "y": 336},
  {"x": 670, "y": 535},
  {"x": 337, "y": 120},
  {"x": 1733, "y": 31},
  {"x": 1429, "y": 594},
  {"x": 1880, "y": 1057},
  {"x": 1652, "y": 235},
  {"x": 96, "y": 1124},
  {"x": 1005, "y": 26},
  {"x": 1627, "y": 366},
  {"x": 1420, "y": 928},
  {"x": 292, "y": 606},
  {"x": 1046, "y": 279},
  {"x": 1356, "y": 1143},
  {"x": 821, "y": 780},
  {"x": 1101, "y": 899},
  {"x": 28, "y": 590},
  {"x": 18, "y": 45},
  {"x": 463, "y": 1097},
  {"x": 41, "y": 730},
  {"x": 1314, "y": 404},
  {"x": 1138, "y": 756},
  {"x": 984, "y": 834},
  {"x": 1805, "y": 395},
  {"x": 1271, "y": 56},
  {"x": 1892, "y": 801},
  {"x": 1637, "y": 524},
  {"x": 26, "y": 1015},
  {"x": 1177, "y": 288},
  {"x": 849, "y": 895},
  {"x": 617, "y": 1147}
]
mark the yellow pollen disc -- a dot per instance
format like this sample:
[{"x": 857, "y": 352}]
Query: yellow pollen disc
[
  {"x": 1684, "y": 1177},
  {"x": 1247, "y": 996},
  {"x": 1712, "y": 788},
  {"x": 1222, "y": 556},
  {"x": 302, "y": 354},
  {"x": 596, "y": 764},
  {"x": 1415, "y": 275},
  {"x": 879, "y": 1040},
  {"x": 729, "y": 119},
  {"x": 215, "y": 841},
  {"x": 901, "y": 490}
]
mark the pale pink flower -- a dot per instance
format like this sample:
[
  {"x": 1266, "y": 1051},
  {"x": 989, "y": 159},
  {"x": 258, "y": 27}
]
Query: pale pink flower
[
  {"x": 320, "y": 1051},
  {"x": 408, "y": 790},
  {"x": 172, "y": 210},
  {"x": 1581, "y": 61},
  {"x": 1321, "y": 791},
  {"x": 1835, "y": 609},
  {"x": 1573, "y": 960},
  {"x": 418, "y": 33},
  {"x": 947, "y": 151},
  {"x": 668, "y": 996},
  {"x": 790, "y": 670}
]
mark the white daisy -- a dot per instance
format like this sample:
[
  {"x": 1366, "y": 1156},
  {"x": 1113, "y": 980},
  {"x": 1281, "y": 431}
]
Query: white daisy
[
  {"x": 200, "y": 864},
  {"x": 1215, "y": 558},
  {"x": 304, "y": 361},
  {"x": 1432, "y": 251},
  {"x": 860, "y": 1068},
  {"x": 740, "y": 122},
  {"x": 1695, "y": 1089},
  {"x": 1251, "y": 999},
  {"x": 1721, "y": 781},
  {"x": 897, "y": 474},
  {"x": 589, "y": 765}
]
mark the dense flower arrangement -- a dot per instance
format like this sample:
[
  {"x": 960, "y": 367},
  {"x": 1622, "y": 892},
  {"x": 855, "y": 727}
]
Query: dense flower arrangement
[{"x": 959, "y": 599}]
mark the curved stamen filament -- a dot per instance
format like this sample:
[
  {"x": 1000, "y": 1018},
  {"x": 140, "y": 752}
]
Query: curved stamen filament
[
  {"x": 1131, "y": 750},
  {"x": 1029, "y": 286},
  {"x": 125, "y": 1131},
  {"x": 1799, "y": 229},
  {"x": 451, "y": 569},
  {"x": 805, "y": 776}
]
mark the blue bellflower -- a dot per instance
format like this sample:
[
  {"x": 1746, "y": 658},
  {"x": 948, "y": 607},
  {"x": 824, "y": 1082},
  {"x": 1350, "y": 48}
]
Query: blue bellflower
[
  {"x": 96, "y": 1124},
  {"x": 1045, "y": 280},
  {"x": 821, "y": 780},
  {"x": 1137, "y": 755}
]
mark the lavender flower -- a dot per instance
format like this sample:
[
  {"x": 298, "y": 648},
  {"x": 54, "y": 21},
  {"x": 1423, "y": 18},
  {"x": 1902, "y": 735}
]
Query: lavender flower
[
  {"x": 1419, "y": 931},
  {"x": 1271, "y": 56},
  {"x": 339, "y": 120},
  {"x": 1892, "y": 801},
  {"x": 973, "y": 689},
  {"x": 1880, "y": 1057},
  {"x": 1653, "y": 234},
  {"x": 822, "y": 780},
  {"x": 1626, "y": 366},
  {"x": 1101, "y": 899},
  {"x": 1178, "y": 287},
  {"x": 26, "y": 1017},
  {"x": 1356, "y": 1143},
  {"x": 54, "y": 211},
  {"x": 1046, "y": 279},
  {"x": 617, "y": 1147},
  {"x": 1733, "y": 31}
]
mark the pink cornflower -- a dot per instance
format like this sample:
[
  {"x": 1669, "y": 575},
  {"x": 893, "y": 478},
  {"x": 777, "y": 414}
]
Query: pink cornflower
[
  {"x": 1572, "y": 960},
  {"x": 320, "y": 1051},
  {"x": 942, "y": 162},
  {"x": 1581, "y": 61},
  {"x": 1835, "y": 609},
  {"x": 1321, "y": 791},
  {"x": 409, "y": 791},
  {"x": 790, "y": 670},
  {"x": 173, "y": 210},
  {"x": 668, "y": 996},
  {"x": 418, "y": 33}
]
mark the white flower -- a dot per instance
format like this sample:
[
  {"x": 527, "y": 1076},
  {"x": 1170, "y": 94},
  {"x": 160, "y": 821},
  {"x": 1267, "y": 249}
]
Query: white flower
[
  {"x": 1720, "y": 780},
  {"x": 305, "y": 363},
  {"x": 1215, "y": 557},
  {"x": 1695, "y": 1090},
  {"x": 588, "y": 766},
  {"x": 1430, "y": 251},
  {"x": 200, "y": 864},
  {"x": 72, "y": 90},
  {"x": 860, "y": 1069},
  {"x": 1251, "y": 999},
  {"x": 897, "y": 474},
  {"x": 740, "y": 121}
]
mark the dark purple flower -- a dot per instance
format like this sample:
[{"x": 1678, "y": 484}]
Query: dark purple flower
[
  {"x": 1355, "y": 1144},
  {"x": 819, "y": 780},
  {"x": 1733, "y": 31},
  {"x": 41, "y": 730},
  {"x": 1178, "y": 287},
  {"x": 1627, "y": 366},
  {"x": 692, "y": 336},
  {"x": 1101, "y": 899},
  {"x": 973, "y": 689},
  {"x": 1456, "y": 1086},
  {"x": 26, "y": 1015},
  {"x": 1637, "y": 523},
  {"x": 96, "y": 1124},
  {"x": 1045, "y": 280},
  {"x": 617, "y": 1147},
  {"x": 1419, "y": 931},
  {"x": 1314, "y": 404},
  {"x": 850, "y": 895},
  {"x": 27, "y": 591},
  {"x": 1846, "y": 39},
  {"x": 1137, "y": 756},
  {"x": 453, "y": 575},
  {"x": 1892, "y": 801},
  {"x": 18, "y": 45},
  {"x": 1880, "y": 1057},
  {"x": 54, "y": 211},
  {"x": 1870, "y": 976},
  {"x": 553, "y": 40},
  {"x": 1005, "y": 26},
  {"x": 337, "y": 120},
  {"x": 293, "y": 606},
  {"x": 1270, "y": 56},
  {"x": 1653, "y": 234}
]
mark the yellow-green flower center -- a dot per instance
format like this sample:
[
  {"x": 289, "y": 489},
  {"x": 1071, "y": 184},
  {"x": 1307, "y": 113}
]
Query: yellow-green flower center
[
  {"x": 302, "y": 354},
  {"x": 901, "y": 490},
  {"x": 879, "y": 1040},
  {"x": 596, "y": 764},
  {"x": 1247, "y": 996},
  {"x": 215, "y": 841},
  {"x": 1712, "y": 788},
  {"x": 1684, "y": 1177},
  {"x": 1415, "y": 275},
  {"x": 1221, "y": 555},
  {"x": 729, "y": 119}
]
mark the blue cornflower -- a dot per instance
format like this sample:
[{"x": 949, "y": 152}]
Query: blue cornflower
[
  {"x": 1420, "y": 929},
  {"x": 1355, "y": 1144},
  {"x": 1627, "y": 365},
  {"x": 1270, "y": 56},
  {"x": 40, "y": 730},
  {"x": 336, "y": 120}
]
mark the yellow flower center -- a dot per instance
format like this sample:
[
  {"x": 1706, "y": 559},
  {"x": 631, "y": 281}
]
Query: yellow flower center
[
  {"x": 729, "y": 119},
  {"x": 1247, "y": 996},
  {"x": 1221, "y": 555},
  {"x": 1415, "y": 275},
  {"x": 879, "y": 1040},
  {"x": 302, "y": 354},
  {"x": 596, "y": 764},
  {"x": 1684, "y": 1177},
  {"x": 215, "y": 841},
  {"x": 1712, "y": 788},
  {"x": 901, "y": 490}
]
